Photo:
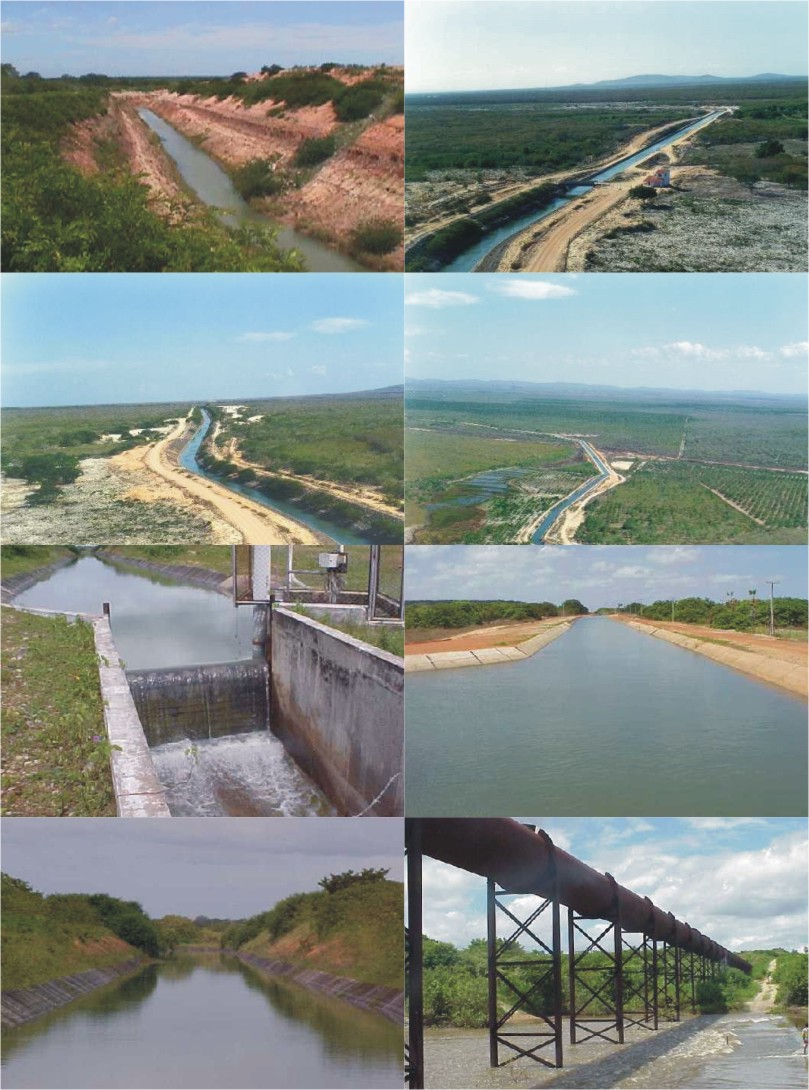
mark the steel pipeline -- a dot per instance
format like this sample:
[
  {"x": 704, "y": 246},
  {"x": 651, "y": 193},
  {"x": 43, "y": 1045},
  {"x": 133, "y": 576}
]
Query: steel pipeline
[{"x": 521, "y": 861}]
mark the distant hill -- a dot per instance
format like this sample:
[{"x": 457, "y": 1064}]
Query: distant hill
[{"x": 679, "y": 81}]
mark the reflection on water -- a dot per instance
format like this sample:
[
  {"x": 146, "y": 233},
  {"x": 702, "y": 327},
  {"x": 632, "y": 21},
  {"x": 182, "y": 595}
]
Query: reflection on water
[
  {"x": 202, "y": 1021},
  {"x": 155, "y": 622},
  {"x": 608, "y": 721}
]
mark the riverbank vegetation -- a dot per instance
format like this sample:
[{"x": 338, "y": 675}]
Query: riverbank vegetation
[
  {"x": 56, "y": 753},
  {"x": 748, "y": 613},
  {"x": 216, "y": 558},
  {"x": 352, "y": 927},
  {"x": 466, "y": 614},
  {"x": 58, "y": 219},
  {"x": 64, "y": 933},
  {"x": 21, "y": 559}
]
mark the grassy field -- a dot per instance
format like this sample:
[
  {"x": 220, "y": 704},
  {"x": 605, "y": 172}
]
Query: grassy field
[
  {"x": 19, "y": 559},
  {"x": 56, "y": 756},
  {"x": 670, "y": 503},
  {"x": 210, "y": 557}
]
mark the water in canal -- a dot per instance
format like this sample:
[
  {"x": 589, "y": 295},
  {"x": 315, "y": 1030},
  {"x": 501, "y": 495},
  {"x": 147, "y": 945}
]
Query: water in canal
[
  {"x": 739, "y": 1051},
  {"x": 206, "y": 1021},
  {"x": 213, "y": 187},
  {"x": 604, "y": 720},
  {"x": 468, "y": 260},
  {"x": 188, "y": 460},
  {"x": 155, "y": 623}
]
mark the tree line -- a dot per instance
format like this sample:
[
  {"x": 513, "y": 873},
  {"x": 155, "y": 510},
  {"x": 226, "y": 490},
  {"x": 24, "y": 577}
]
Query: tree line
[
  {"x": 744, "y": 613},
  {"x": 462, "y": 614}
]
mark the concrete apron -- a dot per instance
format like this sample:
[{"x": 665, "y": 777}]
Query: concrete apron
[
  {"x": 786, "y": 675},
  {"x": 485, "y": 656},
  {"x": 138, "y": 791}
]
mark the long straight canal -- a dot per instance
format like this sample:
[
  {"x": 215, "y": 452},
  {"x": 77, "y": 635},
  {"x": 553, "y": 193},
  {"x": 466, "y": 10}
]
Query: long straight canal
[
  {"x": 604, "y": 720},
  {"x": 202, "y": 1022},
  {"x": 469, "y": 259},
  {"x": 188, "y": 460},
  {"x": 214, "y": 188}
]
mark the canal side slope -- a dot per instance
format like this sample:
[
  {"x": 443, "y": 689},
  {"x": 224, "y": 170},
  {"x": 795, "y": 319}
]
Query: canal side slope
[
  {"x": 487, "y": 647},
  {"x": 778, "y": 662}
]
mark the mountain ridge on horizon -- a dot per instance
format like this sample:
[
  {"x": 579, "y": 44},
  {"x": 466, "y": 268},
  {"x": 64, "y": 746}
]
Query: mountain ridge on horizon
[{"x": 650, "y": 80}]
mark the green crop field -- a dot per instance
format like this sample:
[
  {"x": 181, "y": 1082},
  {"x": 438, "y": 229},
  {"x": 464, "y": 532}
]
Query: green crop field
[{"x": 671, "y": 503}]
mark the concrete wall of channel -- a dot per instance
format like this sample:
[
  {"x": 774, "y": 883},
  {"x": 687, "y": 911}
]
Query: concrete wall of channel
[
  {"x": 197, "y": 702},
  {"x": 786, "y": 675},
  {"x": 188, "y": 574},
  {"x": 21, "y": 1005},
  {"x": 13, "y": 585},
  {"x": 389, "y": 1002},
  {"x": 486, "y": 656},
  {"x": 338, "y": 707}
]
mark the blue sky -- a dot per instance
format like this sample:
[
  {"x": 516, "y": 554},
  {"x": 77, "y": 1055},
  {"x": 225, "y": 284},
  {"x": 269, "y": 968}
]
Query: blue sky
[
  {"x": 197, "y": 38},
  {"x": 603, "y": 575},
  {"x": 461, "y": 45},
  {"x": 684, "y": 330},
  {"x": 741, "y": 881},
  {"x": 196, "y": 866},
  {"x": 87, "y": 339}
]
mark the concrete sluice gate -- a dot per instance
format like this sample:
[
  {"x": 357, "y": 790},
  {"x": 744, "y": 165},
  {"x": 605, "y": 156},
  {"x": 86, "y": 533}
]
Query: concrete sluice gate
[{"x": 208, "y": 729}]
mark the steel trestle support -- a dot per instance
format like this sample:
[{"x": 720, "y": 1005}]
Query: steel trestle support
[
  {"x": 414, "y": 968},
  {"x": 586, "y": 965},
  {"x": 534, "y": 985}
]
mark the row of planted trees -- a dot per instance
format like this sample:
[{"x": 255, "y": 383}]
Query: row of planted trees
[{"x": 744, "y": 613}]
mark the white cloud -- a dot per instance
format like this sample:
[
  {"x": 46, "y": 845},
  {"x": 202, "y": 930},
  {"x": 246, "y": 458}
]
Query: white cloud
[
  {"x": 258, "y": 338},
  {"x": 531, "y": 289},
  {"x": 695, "y": 350},
  {"x": 338, "y": 325},
  {"x": 797, "y": 348},
  {"x": 437, "y": 299}
]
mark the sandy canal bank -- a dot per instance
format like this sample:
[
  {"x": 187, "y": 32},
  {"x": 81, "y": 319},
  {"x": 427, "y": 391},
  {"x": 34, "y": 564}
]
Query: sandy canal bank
[
  {"x": 255, "y": 524},
  {"x": 782, "y": 663},
  {"x": 485, "y": 646},
  {"x": 544, "y": 246},
  {"x": 563, "y": 531}
]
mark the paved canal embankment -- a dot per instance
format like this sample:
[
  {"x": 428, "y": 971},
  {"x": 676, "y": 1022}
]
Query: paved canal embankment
[
  {"x": 485, "y": 656},
  {"x": 22, "y": 1005}
]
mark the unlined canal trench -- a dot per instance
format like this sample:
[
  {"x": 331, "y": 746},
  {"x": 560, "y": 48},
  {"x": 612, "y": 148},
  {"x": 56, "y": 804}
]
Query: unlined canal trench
[
  {"x": 213, "y": 187},
  {"x": 604, "y": 720},
  {"x": 203, "y": 1021},
  {"x": 220, "y": 757}
]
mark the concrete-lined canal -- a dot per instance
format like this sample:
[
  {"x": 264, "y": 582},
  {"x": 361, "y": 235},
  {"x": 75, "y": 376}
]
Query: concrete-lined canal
[
  {"x": 607, "y": 721},
  {"x": 213, "y": 187},
  {"x": 469, "y": 259},
  {"x": 203, "y": 1021}
]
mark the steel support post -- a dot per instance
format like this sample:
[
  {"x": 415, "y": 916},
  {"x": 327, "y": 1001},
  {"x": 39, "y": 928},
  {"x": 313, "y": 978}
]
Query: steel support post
[
  {"x": 692, "y": 975},
  {"x": 671, "y": 977},
  {"x": 414, "y": 962},
  {"x": 534, "y": 984},
  {"x": 586, "y": 966},
  {"x": 638, "y": 971}
]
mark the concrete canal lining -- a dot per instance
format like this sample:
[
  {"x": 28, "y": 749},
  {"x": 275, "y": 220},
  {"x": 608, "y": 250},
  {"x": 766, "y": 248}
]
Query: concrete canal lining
[
  {"x": 21, "y": 1005},
  {"x": 786, "y": 675},
  {"x": 485, "y": 656},
  {"x": 337, "y": 705},
  {"x": 138, "y": 791}
]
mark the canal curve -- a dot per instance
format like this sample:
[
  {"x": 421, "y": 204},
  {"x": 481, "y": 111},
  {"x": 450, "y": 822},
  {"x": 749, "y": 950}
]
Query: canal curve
[
  {"x": 604, "y": 720},
  {"x": 213, "y": 186},
  {"x": 589, "y": 485},
  {"x": 470, "y": 259},
  {"x": 203, "y": 1022},
  {"x": 188, "y": 460}
]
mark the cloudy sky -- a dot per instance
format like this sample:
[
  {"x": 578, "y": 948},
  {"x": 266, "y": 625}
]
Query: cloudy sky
[
  {"x": 195, "y": 866},
  {"x": 198, "y": 38},
  {"x": 92, "y": 340},
  {"x": 460, "y": 45},
  {"x": 602, "y": 575},
  {"x": 741, "y": 881},
  {"x": 682, "y": 331}
]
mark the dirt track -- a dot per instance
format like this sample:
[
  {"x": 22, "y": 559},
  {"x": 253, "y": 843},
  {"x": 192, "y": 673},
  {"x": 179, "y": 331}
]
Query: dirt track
[
  {"x": 479, "y": 638},
  {"x": 256, "y": 524}
]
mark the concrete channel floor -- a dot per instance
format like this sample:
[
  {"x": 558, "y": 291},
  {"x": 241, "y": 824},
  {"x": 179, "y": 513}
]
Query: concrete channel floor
[{"x": 459, "y": 1058}]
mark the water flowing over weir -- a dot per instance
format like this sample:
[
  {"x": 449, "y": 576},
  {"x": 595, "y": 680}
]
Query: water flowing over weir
[
  {"x": 601, "y": 716},
  {"x": 213, "y": 187}
]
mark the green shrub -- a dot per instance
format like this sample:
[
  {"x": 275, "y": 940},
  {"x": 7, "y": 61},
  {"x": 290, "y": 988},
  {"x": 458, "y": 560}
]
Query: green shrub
[
  {"x": 376, "y": 236},
  {"x": 360, "y": 100},
  {"x": 258, "y": 178},
  {"x": 314, "y": 151}
]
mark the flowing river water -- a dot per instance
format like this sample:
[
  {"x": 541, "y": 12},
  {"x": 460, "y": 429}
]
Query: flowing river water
[
  {"x": 604, "y": 720},
  {"x": 469, "y": 259},
  {"x": 203, "y": 1021},
  {"x": 158, "y": 623},
  {"x": 213, "y": 187}
]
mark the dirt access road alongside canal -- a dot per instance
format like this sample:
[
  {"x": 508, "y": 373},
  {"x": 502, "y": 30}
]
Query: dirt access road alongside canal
[
  {"x": 257, "y": 525},
  {"x": 544, "y": 247},
  {"x": 477, "y": 639}
]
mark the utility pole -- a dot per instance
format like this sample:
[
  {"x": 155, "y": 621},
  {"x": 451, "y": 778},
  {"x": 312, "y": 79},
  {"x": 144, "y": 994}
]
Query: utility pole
[
  {"x": 772, "y": 583},
  {"x": 672, "y": 609}
]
